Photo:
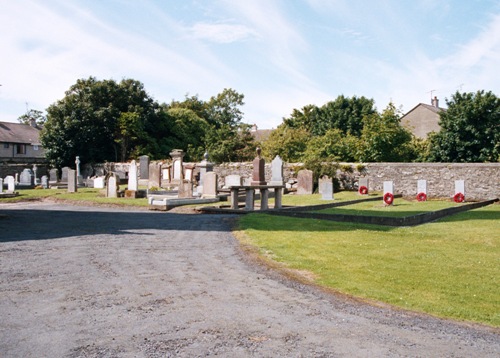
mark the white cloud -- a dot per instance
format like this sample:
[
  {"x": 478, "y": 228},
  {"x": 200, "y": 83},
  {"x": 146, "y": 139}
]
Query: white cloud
[{"x": 221, "y": 33}]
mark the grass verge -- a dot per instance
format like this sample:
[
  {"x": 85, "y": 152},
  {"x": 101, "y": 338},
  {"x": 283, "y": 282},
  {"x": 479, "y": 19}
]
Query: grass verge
[{"x": 448, "y": 268}]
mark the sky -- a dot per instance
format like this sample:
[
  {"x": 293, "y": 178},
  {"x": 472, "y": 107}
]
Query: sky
[{"x": 280, "y": 54}]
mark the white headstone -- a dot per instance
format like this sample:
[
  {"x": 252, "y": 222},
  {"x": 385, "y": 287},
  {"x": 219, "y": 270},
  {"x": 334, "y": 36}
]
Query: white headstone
[
  {"x": 232, "y": 180},
  {"x": 422, "y": 187},
  {"x": 277, "y": 171},
  {"x": 388, "y": 187},
  {"x": 210, "y": 185},
  {"x": 133, "y": 181},
  {"x": 459, "y": 186},
  {"x": 177, "y": 166},
  {"x": 99, "y": 183},
  {"x": 326, "y": 187},
  {"x": 111, "y": 188},
  {"x": 11, "y": 183}
]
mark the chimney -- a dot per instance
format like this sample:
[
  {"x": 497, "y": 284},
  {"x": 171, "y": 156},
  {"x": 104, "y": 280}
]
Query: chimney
[
  {"x": 435, "y": 102},
  {"x": 33, "y": 123}
]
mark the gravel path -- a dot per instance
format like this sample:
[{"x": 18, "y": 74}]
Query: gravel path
[{"x": 102, "y": 282}]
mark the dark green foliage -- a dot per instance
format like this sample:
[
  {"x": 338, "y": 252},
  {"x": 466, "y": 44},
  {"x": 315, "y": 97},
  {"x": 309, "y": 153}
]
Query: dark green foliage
[{"x": 470, "y": 129}]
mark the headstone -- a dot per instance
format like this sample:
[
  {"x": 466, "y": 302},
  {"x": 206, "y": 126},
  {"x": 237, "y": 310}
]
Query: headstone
[
  {"x": 185, "y": 189},
  {"x": 45, "y": 182},
  {"x": 11, "y": 183},
  {"x": 258, "y": 173},
  {"x": 132, "y": 176},
  {"x": 422, "y": 190},
  {"x": 363, "y": 187},
  {"x": 232, "y": 180},
  {"x": 72, "y": 185},
  {"x": 205, "y": 167},
  {"x": 210, "y": 185},
  {"x": 64, "y": 175},
  {"x": 326, "y": 187},
  {"x": 79, "y": 177},
  {"x": 99, "y": 183},
  {"x": 277, "y": 171},
  {"x": 388, "y": 197},
  {"x": 154, "y": 175},
  {"x": 166, "y": 173},
  {"x": 16, "y": 178},
  {"x": 459, "y": 186},
  {"x": 1, "y": 185},
  {"x": 304, "y": 182},
  {"x": 144, "y": 165},
  {"x": 177, "y": 167},
  {"x": 26, "y": 177},
  {"x": 53, "y": 176},
  {"x": 112, "y": 187},
  {"x": 189, "y": 172},
  {"x": 35, "y": 177}
]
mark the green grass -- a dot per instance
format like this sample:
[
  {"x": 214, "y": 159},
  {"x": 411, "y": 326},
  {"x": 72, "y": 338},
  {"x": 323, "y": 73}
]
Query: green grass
[
  {"x": 82, "y": 195},
  {"x": 449, "y": 268},
  {"x": 315, "y": 199}
]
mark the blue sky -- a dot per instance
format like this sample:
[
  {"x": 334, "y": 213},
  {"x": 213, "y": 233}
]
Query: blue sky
[{"x": 281, "y": 54}]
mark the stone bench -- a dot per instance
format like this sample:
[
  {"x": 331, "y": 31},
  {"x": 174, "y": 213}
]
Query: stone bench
[{"x": 250, "y": 196}]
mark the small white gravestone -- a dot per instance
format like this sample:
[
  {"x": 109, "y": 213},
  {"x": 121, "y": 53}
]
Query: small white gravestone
[
  {"x": 210, "y": 185},
  {"x": 99, "y": 183},
  {"x": 133, "y": 180},
  {"x": 422, "y": 186},
  {"x": 460, "y": 186},
  {"x": 111, "y": 188},
  {"x": 363, "y": 186},
  {"x": 326, "y": 187},
  {"x": 388, "y": 197},
  {"x": 11, "y": 183},
  {"x": 277, "y": 171}
]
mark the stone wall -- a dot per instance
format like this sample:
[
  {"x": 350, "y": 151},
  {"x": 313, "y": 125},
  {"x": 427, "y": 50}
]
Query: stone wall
[{"x": 482, "y": 180}]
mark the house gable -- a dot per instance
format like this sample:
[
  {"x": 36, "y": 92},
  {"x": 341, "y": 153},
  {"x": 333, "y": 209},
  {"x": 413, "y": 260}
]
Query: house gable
[{"x": 422, "y": 120}]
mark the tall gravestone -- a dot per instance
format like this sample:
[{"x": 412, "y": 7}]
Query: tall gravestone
[
  {"x": 132, "y": 176},
  {"x": 64, "y": 175},
  {"x": 210, "y": 185},
  {"x": 45, "y": 181},
  {"x": 177, "y": 156},
  {"x": 305, "y": 182},
  {"x": 277, "y": 171},
  {"x": 144, "y": 165},
  {"x": 79, "y": 178},
  {"x": 154, "y": 175},
  {"x": 112, "y": 187},
  {"x": 35, "y": 177},
  {"x": 72, "y": 181},
  {"x": 258, "y": 173},
  {"x": 326, "y": 187},
  {"x": 53, "y": 176},
  {"x": 26, "y": 178},
  {"x": 205, "y": 167}
]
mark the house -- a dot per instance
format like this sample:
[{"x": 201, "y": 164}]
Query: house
[
  {"x": 423, "y": 118},
  {"x": 260, "y": 135},
  {"x": 20, "y": 143}
]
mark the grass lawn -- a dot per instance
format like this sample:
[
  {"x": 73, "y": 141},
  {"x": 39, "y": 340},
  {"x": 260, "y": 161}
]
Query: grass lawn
[
  {"x": 83, "y": 194},
  {"x": 449, "y": 268}
]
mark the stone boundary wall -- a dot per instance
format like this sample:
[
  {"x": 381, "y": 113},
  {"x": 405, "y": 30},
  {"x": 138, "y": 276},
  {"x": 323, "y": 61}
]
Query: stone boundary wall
[{"x": 482, "y": 180}]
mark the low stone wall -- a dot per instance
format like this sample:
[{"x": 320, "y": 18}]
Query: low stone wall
[{"x": 482, "y": 180}]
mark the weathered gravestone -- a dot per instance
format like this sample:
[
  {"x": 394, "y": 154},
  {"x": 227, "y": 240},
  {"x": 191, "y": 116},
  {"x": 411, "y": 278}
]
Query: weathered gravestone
[
  {"x": 72, "y": 181},
  {"x": 185, "y": 189},
  {"x": 178, "y": 171},
  {"x": 79, "y": 178},
  {"x": 11, "y": 183},
  {"x": 26, "y": 178},
  {"x": 53, "y": 176},
  {"x": 363, "y": 187},
  {"x": 112, "y": 187},
  {"x": 99, "y": 183},
  {"x": 232, "y": 180},
  {"x": 205, "y": 167},
  {"x": 258, "y": 173},
  {"x": 35, "y": 177},
  {"x": 132, "y": 176},
  {"x": 326, "y": 187},
  {"x": 305, "y": 182},
  {"x": 277, "y": 171},
  {"x": 154, "y": 175},
  {"x": 64, "y": 175},
  {"x": 210, "y": 185},
  {"x": 144, "y": 165},
  {"x": 45, "y": 182}
]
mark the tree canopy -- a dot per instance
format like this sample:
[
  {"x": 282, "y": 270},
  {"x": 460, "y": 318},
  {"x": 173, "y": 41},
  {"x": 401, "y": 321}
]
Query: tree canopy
[{"x": 470, "y": 129}]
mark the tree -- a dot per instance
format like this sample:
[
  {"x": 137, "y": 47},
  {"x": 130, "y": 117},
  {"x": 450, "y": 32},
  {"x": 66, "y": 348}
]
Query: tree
[
  {"x": 100, "y": 121},
  {"x": 383, "y": 139},
  {"x": 470, "y": 129},
  {"x": 33, "y": 115},
  {"x": 289, "y": 143},
  {"x": 334, "y": 145}
]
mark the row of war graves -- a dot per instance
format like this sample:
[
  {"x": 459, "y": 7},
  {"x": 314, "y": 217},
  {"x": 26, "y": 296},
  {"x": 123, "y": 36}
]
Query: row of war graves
[{"x": 179, "y": 179}]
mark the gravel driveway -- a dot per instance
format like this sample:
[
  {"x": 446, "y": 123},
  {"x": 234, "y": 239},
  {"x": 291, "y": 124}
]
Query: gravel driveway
[{"x": 102, "y": 282}]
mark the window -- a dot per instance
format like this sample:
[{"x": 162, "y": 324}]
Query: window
[
  {"x": 6, "y": 145},
  {"x": 35, "y": 147},
  {"x": 20, "y": 148}
]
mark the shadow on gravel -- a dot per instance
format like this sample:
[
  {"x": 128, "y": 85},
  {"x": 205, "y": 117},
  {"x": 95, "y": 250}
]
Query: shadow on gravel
[{"x": 33, "y": 224}]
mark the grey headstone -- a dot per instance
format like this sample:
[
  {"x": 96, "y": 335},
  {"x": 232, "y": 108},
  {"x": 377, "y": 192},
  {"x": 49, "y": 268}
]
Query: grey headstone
[
  {"x": 154, "y": 175},
  {"x": 72, "y": 184},
  {"x": 99, "y": 183},
  {"x": 326, "y": 187},
  {"x": 210, "y": 185},
  {"x": 205, "y": 167},
  {"x": 185, "y": 189},
  {"x": 26, "y": 177},
  {"x": 53, "y": 175},
  {"x": 45, "y": 182},
  {"x": 277, "y": 171},
  {"x": 144, "y": 164},
  {"x": 64, "y": 175},
  {"x": 305, "y": 182},
  {"x": 132, "y": 176},
  {"x": 112, "y": 187}
]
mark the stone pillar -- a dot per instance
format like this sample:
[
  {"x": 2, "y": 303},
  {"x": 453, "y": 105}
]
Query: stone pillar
[
  {"x": 72, "y": 187},
  {"x": 144, "y": 164}
]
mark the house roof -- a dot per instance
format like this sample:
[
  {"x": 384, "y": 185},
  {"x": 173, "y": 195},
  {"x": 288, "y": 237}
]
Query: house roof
[
  {"x": 427, "y": 106},
  {"x": 261, "y": 135},
  {"x": 19, "y": 133}
]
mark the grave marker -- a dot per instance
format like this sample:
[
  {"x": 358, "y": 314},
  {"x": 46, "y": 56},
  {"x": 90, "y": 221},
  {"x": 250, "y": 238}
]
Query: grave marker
[
  {"x": 11, "y": 184},
  {"x": 326, "y": 187},
  {"x": 277, "y": 171},
  {"x": 111, "y": 187},
  {"x": 132, "y": 177},
  {"x": 305, "y": 182},
  {"x": 144, "y": 164},
  {"x": 210, "y": 185},
  {"x": 72, "y": 184},
  {"x": 258, "y": 173},
  {"x": 388, "y": 192}
]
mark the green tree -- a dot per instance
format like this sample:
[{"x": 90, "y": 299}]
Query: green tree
[
  {"x": 99, "y": 121},
  {"x": 470, "y": 129},
  {"x": 289, "y": 143},
  {"x": 384, "y": 139},
  {"x": 334, "y": 145}
]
